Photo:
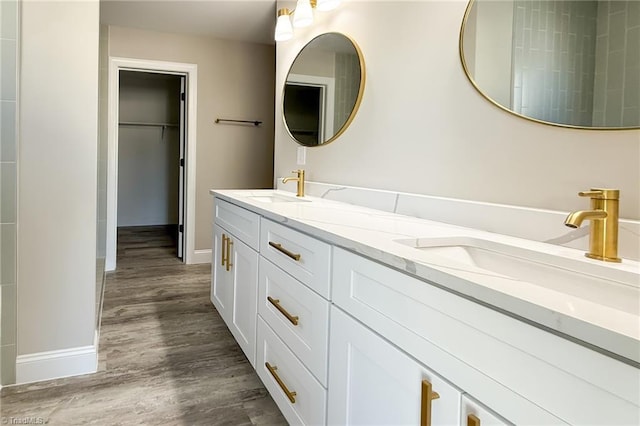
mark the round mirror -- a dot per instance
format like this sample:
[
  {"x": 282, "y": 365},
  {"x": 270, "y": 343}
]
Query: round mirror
[
  {"x": 570, "y": 63},
  {"x": 323, "y": 89}
]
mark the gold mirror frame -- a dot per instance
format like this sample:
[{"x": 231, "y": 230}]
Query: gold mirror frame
[
  {"x": 484, "y": 95},
  {"x": 358, "y": 100}
]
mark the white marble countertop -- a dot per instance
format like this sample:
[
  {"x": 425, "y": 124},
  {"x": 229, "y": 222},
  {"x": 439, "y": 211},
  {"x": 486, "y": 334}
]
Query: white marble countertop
[{"x": 605, "y": 316}]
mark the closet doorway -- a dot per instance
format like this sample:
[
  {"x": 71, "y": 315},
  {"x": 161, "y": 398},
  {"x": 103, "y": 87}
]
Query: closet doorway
[
  {"x": 151, "y": 138},
  {"x": 151, "y": 151}
]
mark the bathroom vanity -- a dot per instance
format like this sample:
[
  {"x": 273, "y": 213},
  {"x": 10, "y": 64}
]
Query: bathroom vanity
[{"x": 352, "y": 315}]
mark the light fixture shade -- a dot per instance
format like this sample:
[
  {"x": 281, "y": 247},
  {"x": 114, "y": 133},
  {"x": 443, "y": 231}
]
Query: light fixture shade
[
  {"x": 303, "y": 15},
  {"x": 325, "y": 5},
  {"x": 284, "y": 30}
]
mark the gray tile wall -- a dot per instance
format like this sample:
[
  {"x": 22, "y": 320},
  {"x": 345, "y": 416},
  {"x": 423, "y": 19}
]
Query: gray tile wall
[
  {"x": 347, "y": 75},
  {"x": 8, "y": 187},
  {"x": 554, "y": 60},
  {"x": 617, "y": 76},
  {"x": 101, "y": 237}
]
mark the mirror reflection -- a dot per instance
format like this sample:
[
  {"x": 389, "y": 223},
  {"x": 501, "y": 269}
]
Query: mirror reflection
[
  {"x": 323, "y": 89},
  {"x": 565, "y": 62}
]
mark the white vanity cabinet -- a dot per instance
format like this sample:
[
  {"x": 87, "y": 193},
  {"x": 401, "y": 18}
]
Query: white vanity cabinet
[
  {"x": 234, "y": 272},
  {"x": 374, "y": 383},
  {"x": 340, "y": 339}
]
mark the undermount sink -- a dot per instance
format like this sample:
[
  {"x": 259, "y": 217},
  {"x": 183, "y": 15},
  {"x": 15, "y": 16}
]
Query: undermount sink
[
  {"x": 273, "y": 198},
  {"x": 618, "y": 289}
]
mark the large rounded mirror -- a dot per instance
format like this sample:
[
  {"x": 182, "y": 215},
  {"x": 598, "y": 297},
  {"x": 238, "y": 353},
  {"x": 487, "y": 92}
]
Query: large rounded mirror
[
  {"x": 571, "y": 63},
  {"x": 323, "y": 89}
]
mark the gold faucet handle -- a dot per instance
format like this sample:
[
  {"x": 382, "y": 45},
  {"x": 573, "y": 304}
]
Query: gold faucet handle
[
  {"x": 590, "y": 194},
  {"x": 600, "y": 193}
]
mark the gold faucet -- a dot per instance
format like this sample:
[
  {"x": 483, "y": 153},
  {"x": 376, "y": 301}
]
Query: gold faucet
[
  {"x": 299, "y": 179},
  {"x": 603, "y": 236}
]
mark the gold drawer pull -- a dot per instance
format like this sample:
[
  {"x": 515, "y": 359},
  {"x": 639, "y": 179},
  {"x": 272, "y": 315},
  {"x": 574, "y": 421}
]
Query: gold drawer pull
[
  {"x": 472, "y": 420},
  {"x": 283, "y": 311},
  {"x": 428, "y": 395},
  {"x": 272, "y": 370},
  {"x": 281, "y": 249},
  {"x": 222, "y": 248},
  {"x": 229, "y": 245}
]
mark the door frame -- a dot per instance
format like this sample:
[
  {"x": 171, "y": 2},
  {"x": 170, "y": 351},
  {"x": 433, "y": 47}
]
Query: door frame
[
  {"x": 117, "y": 64},
  {"x": 328, "y": 86}
]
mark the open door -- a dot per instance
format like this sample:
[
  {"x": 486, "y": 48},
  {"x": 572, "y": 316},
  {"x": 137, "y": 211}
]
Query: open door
[{"x": 181, "y": 185}]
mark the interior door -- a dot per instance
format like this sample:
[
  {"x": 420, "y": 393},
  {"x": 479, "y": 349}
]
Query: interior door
[{"x": 181, "y": 185}]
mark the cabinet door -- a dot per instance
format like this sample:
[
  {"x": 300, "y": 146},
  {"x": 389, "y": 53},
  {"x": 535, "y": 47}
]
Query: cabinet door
[
  {"x": 371, "y": 382},
  {"x": 221, "y": 290},
  {"x": 474, "y": 414},
  {"x": 243, "y": 283}
]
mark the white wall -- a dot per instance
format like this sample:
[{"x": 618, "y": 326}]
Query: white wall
[
  {"x": 57, "y": 176},
  {"x": 423, "y": 128},
  {"x": 235, "y": 80},
  {"x": 148, "y": 156}
]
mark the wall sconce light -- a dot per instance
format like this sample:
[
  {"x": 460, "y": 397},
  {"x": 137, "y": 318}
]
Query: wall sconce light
[{"x": 302, "y": 16}]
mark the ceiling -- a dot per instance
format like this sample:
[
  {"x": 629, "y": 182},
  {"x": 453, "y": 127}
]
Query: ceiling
[{"x": 242, "y": 20}]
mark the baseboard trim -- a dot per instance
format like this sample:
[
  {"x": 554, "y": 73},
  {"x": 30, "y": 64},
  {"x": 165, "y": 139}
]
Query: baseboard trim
[
  {"x": 56, "y": 364},
  {"x": 201, "y": 256}
]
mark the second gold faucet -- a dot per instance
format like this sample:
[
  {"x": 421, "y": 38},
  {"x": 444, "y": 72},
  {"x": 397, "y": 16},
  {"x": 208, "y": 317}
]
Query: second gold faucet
[
  {"x": 603, "y": 238},
  {"x": 299, "y": 179}
]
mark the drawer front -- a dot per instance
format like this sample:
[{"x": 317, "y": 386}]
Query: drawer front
[
  {"x": 300, "y": 255},
  {"x": 310, "y": 400},
  {"x": 244, "y": 224},
  {"x": 475, "y": 414},
  {"x": 298, "y": 316}
]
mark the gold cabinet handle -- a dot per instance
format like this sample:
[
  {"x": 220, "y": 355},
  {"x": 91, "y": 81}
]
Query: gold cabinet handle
[
  {"x": 281, "y": 249},
  {"x": 428, "y": 395},
  {"x": 229, "y": 245},
  {"x": 272, "y": 370},
  {"x": 283, "y": 311},
  {"x": 222, "y": 249},
  {"x": 472, "y": 420}
]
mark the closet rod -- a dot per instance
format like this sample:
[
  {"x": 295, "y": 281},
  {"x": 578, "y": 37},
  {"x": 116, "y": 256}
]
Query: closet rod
[
  {"x": 227, "y": 120},
  {"x": 126, "y": 123}
]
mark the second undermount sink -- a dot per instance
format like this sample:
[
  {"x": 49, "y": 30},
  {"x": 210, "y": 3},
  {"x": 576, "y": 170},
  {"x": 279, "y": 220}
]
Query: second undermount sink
[
  {"x": 600, "y": 283},
  {"x": 276, "y": 198}
]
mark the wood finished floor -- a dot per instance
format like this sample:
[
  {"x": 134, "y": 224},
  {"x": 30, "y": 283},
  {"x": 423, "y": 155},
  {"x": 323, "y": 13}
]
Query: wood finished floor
[{"x": 165, "y": 356}]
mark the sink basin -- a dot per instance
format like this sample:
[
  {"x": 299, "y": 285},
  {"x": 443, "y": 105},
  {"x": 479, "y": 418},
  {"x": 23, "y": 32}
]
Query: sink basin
[
  {"x": 599, "y": 283},
  {"x": 276, "y": 199}
]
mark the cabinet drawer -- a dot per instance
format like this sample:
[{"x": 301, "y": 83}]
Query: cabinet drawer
[
  {"x": 300, "y": 255},
  {"x": 244, "y": 224},
  {"x": 283, "y": 301},
  {"x": 310, "y": 400},
  {"x": 475, "y": 414}
]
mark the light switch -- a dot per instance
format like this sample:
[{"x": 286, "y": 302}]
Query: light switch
[{"x": 302, "y": 155}]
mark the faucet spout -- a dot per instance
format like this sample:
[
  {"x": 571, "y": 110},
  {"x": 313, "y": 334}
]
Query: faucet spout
[
  {"x": 289, "y": 179},
  {"x": 575, "y": 219}
]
